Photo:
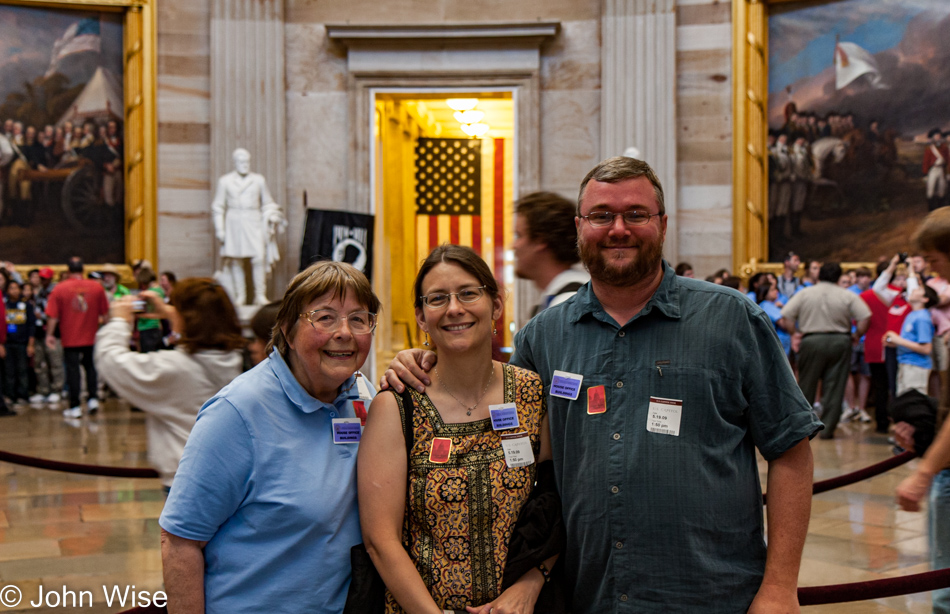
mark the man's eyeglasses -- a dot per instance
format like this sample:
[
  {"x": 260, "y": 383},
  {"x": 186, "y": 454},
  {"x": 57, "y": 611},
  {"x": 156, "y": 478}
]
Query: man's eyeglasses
[
  {"x": 328, "y": 321},
  {"x": 438, "y": 300},
  {"x": 630, "y": 218}
]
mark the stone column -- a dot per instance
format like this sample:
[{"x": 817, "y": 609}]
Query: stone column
[
  {"x": 248, "y": 103},
  {"x": 638, "y": 91}
]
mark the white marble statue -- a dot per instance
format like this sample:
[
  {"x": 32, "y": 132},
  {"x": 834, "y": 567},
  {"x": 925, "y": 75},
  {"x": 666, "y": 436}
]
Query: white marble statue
[{"x": 246, "y": 223}]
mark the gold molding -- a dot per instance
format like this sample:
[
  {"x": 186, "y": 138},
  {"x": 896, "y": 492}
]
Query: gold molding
[
  {"x": 750, "y": 103},
  {"x": 141, "y": 125},
  {"x": 750, "y": 100}
]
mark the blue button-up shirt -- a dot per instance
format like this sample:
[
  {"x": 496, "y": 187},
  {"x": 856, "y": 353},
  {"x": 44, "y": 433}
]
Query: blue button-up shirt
[{"x": 661, "y": 522}]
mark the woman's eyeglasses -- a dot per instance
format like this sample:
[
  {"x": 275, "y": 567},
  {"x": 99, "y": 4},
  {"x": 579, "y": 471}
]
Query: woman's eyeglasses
[
  {"x": 329, "y": 321},
  {"x": 438, "y": 300}
]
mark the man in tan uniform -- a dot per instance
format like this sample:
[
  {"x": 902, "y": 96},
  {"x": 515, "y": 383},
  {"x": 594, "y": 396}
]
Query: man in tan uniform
[
  {"x": 246, "y": 223},
  {"x": 824, "y": 313}
]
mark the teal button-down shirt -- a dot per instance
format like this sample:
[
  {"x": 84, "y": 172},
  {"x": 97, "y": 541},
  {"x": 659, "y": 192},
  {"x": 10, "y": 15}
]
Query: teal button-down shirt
[{"x": 660, "y": 522}]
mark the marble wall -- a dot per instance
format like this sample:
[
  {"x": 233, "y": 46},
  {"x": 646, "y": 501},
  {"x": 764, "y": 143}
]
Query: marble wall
[
  {"x": 704, "y": 134},
  {"x": 184, "y": 186},
  {"x": 320, "y": 128}
]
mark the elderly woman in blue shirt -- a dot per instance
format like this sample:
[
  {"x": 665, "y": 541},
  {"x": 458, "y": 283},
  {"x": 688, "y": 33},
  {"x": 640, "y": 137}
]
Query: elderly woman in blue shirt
[{"x": 262, "y": 514}]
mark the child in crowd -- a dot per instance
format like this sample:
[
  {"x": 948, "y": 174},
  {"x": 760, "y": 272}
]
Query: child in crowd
[
  {"x": 914, "y": 343},
  {"x": 20, "y": 323}
]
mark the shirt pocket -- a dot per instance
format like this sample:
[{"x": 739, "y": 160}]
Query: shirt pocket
[{"x": 713, "y": 410}]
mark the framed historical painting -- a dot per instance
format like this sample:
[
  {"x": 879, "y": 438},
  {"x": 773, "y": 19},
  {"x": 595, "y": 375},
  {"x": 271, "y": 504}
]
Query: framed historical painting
[
  {"x": 841, "y": 125},
  {"x": 77, "y": 131}
]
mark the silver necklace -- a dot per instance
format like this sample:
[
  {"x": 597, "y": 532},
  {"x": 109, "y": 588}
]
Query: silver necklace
[{"x": 468, "y": 410}]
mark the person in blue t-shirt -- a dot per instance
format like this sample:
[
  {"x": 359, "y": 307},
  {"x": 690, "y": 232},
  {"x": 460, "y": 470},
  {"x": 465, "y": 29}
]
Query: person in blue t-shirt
[
  {"x": 914, "y": 343},
  {"x": 766, "y": 296}
]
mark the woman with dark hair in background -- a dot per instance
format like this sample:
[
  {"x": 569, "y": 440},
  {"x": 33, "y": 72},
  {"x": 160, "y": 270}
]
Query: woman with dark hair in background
[{"x": 171, "y": 385}]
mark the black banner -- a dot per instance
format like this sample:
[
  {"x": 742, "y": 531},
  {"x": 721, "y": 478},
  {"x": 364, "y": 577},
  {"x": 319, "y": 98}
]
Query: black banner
[{"x": 341, "y": 236}]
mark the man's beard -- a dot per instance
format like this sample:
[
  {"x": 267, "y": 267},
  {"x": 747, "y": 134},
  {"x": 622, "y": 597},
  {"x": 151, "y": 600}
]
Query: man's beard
[{"x": 644, "y": 265}]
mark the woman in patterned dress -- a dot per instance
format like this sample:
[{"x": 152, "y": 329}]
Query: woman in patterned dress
[{"x": 437, "y": 527}]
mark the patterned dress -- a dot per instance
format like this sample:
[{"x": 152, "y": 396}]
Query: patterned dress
[{"x": 463, "y": 510}]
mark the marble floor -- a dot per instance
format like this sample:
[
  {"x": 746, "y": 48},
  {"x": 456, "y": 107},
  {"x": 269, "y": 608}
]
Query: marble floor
[{"x": 84, "y": 532}]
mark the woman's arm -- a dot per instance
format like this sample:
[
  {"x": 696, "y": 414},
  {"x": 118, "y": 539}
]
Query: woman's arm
[
  {"x": 381, "y": 475},
  {"x": 183, "y": 569}
]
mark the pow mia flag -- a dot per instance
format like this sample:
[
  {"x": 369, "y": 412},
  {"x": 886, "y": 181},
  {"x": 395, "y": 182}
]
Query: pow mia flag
[{"x": 340, "y": 236}]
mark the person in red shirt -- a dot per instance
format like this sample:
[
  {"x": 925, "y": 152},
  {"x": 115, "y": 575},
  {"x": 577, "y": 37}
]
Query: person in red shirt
[
  {"x": 874, "y": 354},
  {"x": 79, "y": 306}
]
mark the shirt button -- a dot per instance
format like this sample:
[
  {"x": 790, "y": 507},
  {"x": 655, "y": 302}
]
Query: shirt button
[
  {"x": 622, "y": 334},
  {"x": 614, "y": 489},
  {"x": 618, "y": 545},
  {"x": 616, "y": 436},
  {"x": 620, "y": 384},
  {"x": 333, "y": 414},
  {"x": 623, "y": 597}
]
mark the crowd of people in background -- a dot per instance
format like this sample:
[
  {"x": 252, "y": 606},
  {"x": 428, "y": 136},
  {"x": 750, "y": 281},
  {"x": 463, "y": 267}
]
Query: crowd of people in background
[
  {"x": 900, "y": 346},
  {"x": 50, "y": 325}
]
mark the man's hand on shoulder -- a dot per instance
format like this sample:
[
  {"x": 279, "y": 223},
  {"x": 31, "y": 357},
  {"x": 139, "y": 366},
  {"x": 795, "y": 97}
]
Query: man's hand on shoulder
[
  {"x": 775, "y": 599},
  {"x": 410, "y": 367}
]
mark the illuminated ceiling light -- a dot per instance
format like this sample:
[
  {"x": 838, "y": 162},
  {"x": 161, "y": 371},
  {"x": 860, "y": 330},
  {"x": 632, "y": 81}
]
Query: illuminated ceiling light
[
  {"x": 469, "y": 117},
  {"x": 475, "y": 130},
  {"x": 462, "y": 104}
]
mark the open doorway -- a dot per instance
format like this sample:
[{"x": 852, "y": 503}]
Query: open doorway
[{"x": 444, "y": 168}]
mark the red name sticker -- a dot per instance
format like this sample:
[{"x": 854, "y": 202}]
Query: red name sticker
[
  {"x": 359, "y": 408},
  {"x": 441, "y": 450},
  {"x": 596, "y": 400}
]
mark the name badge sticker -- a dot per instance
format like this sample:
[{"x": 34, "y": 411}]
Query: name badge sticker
[
  {"x": 362, "y": 388},
  {"x": 596, "y": 400},
  {"x": 566, "y": 385},
  {"x": 441, "y": 450},
  {"x": 359, "y": 410},
  {"x": 504, "y": 416},
  {"x": 664, "y": 416},
  {"x": 346, "y": 430},
  {"x": 517, "y": 447}
]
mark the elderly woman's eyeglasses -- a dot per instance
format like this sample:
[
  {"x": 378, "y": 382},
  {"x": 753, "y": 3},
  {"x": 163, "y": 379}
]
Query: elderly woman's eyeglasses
[
  {"x": 438, "y": 300},
  {"x": 329, "y": 321},
  {"x": 630, "y": 218}
]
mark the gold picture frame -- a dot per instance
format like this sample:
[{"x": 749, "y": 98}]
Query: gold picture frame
[{"x": 140, "y": 123}]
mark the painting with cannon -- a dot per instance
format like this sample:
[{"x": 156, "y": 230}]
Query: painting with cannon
[
  {"x": 858, "y": 125},
  {"x": 61, "y": 134}
]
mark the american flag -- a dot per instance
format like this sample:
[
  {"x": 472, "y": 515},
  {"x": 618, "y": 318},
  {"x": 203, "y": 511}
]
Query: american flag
[{"x": 488, "y": 227}]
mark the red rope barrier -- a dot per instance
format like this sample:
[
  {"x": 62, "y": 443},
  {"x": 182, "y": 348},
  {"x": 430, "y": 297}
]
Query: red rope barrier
[
  {"x": 861, "y": 474},
  {"x": 112, "y": 472},
  {"x": 874, "y": 589}
]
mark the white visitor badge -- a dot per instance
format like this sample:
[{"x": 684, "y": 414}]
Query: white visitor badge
[
  {"x": 566, "y": 385},
  {"x": 362, "y": 388},
  {"x": 664, "y": 416},
  {"x": 517, "y": 447}
]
